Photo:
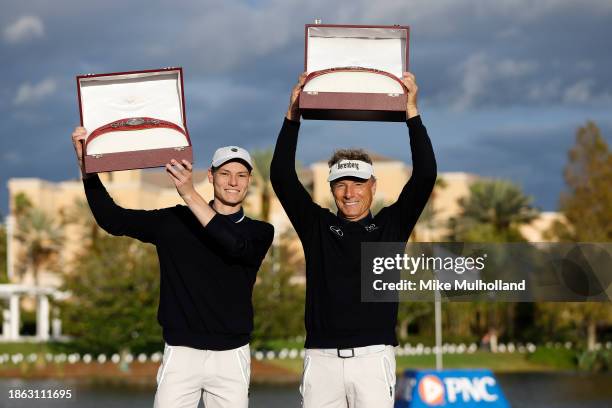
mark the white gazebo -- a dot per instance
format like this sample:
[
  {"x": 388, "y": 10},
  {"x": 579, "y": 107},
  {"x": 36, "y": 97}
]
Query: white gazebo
[{"x": 11, "y": 316}]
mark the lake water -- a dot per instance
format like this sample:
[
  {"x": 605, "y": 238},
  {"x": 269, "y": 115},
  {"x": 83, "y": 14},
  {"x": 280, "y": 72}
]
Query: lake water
[{"x": 522, "y": 390}]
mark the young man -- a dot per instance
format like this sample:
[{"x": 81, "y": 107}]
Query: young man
[
  {"x": 209, "y": 255},
  {"x": 349, "y": 360}
]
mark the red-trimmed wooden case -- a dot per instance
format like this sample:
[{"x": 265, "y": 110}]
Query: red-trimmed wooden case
[
  {"x": 142, "y": 82},
  {"x": 357, "y": 105}
]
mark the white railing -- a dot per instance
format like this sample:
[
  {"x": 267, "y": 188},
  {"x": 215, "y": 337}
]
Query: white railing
[{"x": 285, "y": 353}]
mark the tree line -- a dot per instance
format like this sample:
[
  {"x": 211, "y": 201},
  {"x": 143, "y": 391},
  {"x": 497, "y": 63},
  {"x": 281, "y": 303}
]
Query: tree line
[{"x": 114, "y": 281}]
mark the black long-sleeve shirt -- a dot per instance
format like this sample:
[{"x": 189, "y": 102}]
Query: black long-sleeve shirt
[
  {"x": 207, "y": 273},
  {"x": 335, "y": 316}
]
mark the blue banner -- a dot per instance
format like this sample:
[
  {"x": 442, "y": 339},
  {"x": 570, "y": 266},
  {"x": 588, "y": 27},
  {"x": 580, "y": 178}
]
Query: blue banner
[{"x": 449, "y": 388}]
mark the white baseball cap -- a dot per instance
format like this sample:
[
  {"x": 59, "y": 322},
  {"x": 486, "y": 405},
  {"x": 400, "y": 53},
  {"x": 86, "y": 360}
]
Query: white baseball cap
[
  {"x": 224, "y": 154},
  {"x": 350, "y": 168}
]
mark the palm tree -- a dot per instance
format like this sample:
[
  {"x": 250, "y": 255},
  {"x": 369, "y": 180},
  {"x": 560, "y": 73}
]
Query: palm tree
[
  {"x": 41, "y": 240},
  {"x": 21, "y": 204},
  {"x": 493, "y": 212}
]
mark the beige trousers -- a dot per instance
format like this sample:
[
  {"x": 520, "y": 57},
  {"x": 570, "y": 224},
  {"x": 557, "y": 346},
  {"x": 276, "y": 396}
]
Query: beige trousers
[
  {"x": 363, "y": 381},
  {"x": 186, "y": 374}
]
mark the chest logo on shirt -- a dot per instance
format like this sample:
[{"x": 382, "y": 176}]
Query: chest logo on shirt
[
  {"x": 336, "y": 230},
  {"x": 371, "y": 227}
]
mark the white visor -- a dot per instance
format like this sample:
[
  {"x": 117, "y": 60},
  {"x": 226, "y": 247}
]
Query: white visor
[
  {"x": 227, "y": 153},
  {"x": 350, "y": 168}
]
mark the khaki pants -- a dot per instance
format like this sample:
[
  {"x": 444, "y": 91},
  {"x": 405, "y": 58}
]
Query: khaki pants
[
  {"x": 221, "y": 378},
  {"x": 363, "y": 381}
]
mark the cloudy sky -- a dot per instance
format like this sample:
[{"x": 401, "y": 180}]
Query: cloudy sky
[{"x": 503, "y": 84}]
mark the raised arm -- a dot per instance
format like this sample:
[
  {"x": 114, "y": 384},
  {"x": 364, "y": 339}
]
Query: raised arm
[
  {"x": 140, "y": 224},
  {"x": 294, "y": 198},
  {"x": 249, "y": 250},
  {"x": 413, "y": 198}
]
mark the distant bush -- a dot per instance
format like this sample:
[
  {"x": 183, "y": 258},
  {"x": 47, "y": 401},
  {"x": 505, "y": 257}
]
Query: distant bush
[{"x": 114, "y": 287}]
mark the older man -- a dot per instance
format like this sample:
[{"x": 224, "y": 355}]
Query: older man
[
  {"x": 209, "y": 255},
  {"x": 349, "y": 360}
]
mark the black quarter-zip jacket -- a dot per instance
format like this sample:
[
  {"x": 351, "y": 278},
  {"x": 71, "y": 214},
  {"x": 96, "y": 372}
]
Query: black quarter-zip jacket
[
  {"x": 335, "y": 317},
  {"x": 207, "y": 273}
]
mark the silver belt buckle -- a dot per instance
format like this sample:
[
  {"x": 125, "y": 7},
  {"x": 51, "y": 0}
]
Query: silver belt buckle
[
  {"x": 345, "y": 355},
  {"x": 135, "y": 121}
]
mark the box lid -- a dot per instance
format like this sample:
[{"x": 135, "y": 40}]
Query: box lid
[
  {"x": 383, "y": 48},
  {"x": 105, "y": 98}
]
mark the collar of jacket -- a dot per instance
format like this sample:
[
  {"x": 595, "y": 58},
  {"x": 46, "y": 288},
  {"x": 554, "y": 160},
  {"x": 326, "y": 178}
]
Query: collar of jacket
[
  {"x": 234, "y": 217},
  {"x": 364, "y": 222}
]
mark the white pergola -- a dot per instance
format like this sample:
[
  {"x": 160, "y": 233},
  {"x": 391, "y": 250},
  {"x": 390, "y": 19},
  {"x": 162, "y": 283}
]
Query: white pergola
[{"x": 11, "y": 316}]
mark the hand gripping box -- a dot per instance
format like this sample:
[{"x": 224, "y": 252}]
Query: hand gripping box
[
  {"x": 133, "y": 119},
  {"x": 354, "y": 72}
]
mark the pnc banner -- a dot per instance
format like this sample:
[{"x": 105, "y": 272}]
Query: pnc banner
[{"x": 451, "y": 388}]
